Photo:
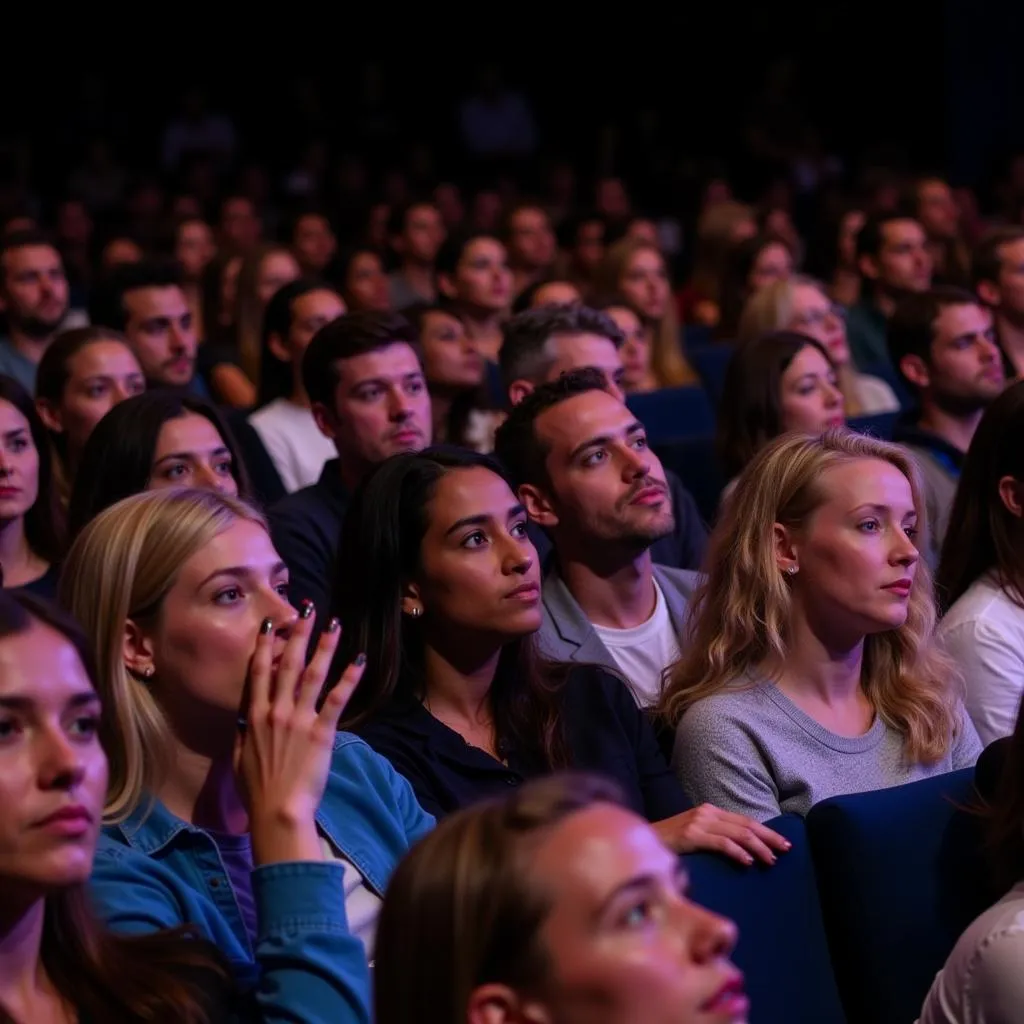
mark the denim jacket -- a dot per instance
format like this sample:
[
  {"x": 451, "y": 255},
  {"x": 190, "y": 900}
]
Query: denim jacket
[{"x": 155, "y": 871}]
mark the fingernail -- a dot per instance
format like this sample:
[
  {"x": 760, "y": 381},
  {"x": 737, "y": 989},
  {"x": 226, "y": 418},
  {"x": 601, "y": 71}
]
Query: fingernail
[
  {"x": 267, "y": 626},
  {"x": 748, "y": 859},
  {"x": 787, "y": 845},
  {"x": 360, "y": 660},
  {"x": 333, "y": 626},
  {"x": 307, "y": 609}
]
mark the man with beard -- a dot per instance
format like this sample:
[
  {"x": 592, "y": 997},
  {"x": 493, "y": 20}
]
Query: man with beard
[
  {"x": 34, "y": 301},
  {"x": 943, "y": 343},
  {"x": 582, "y": 468}
]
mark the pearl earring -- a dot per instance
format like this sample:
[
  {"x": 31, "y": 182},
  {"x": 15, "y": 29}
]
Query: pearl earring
[{"x": 791, "y": 571}]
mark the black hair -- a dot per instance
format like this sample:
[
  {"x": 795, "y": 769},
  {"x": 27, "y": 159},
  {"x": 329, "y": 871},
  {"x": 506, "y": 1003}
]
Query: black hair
[{"x": 106, "y": 305}]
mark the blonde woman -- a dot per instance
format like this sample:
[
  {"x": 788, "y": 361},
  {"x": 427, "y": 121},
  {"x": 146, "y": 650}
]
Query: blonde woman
[
  {"x": 801, "y": 304},
  {"x": 635, "y": 270},
  {"x": 233, "y": 803},
  {"x": 808, "y": 667}
]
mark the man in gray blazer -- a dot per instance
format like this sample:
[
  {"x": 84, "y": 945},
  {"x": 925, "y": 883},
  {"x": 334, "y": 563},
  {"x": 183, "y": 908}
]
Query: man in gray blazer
[{"x": 581, "y": 465}]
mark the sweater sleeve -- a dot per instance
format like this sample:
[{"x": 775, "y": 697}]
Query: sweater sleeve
[{"x": 717, "y": 762}]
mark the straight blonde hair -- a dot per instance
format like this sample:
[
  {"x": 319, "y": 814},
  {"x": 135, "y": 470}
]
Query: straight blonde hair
[
  {"x": 120, "y": 568},
  {"x": 739, "y": 623}
]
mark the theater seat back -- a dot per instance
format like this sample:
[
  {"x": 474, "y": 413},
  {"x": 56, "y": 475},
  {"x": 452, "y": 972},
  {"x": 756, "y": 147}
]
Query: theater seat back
[
  {"x": 782, "y": 949},
  {"x": 900, "y": 876}
]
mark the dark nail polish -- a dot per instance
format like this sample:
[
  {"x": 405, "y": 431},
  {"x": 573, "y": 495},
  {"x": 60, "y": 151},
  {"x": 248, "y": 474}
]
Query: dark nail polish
[
  {"x": 268, "y": 625},
  {"x": 307, "y": 609},
  {"x": 242, "y": 723},
  {"x": 333, "y": 626},
  {"x": 360, "y": 660}
]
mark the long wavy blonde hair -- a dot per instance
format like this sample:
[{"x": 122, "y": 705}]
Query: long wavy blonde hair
[
  {"x": 668, "y": 361},
  {"x": 121, "y": 567},
  {"x": 739, "y": 623}
]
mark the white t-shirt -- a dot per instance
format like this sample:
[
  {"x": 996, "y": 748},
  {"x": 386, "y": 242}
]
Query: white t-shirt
[
  {"x": 982, "y": 981},
  {"x": 293, "y": 441},
  {"x": 984, "y": 632},
  {"x": 643, "y": 652},
  {"x": 362, "y": 904}
]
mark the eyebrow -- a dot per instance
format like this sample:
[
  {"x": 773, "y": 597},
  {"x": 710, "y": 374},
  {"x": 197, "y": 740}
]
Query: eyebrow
[
  {"x": 242, "y": 571},
  {"x": 871, "y": 507},
  {"x": 222, "y": 450},
  {"x": 636, "y": 427},
  {"x": 21, "y": 702},
  {"x": 11, "y": 434},
  {"x": 637, "y": 884},
  {"x": 483, "y": 518}
]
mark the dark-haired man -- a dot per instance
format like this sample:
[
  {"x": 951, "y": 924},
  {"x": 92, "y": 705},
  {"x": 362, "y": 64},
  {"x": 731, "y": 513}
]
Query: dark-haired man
[
  {"x": 416, "y": 232},
  {"x": 894, "y": 260},
  {"x": 583, "y": 469},
  {"x": 364, "y": 378},
  {"x": 34, "y": 301},
  {"x": 943, "y": 344},
  {"x": 146, "y": 301},
  {"x": 998, "y": 269},
  {"x": 539, "y": 346}
]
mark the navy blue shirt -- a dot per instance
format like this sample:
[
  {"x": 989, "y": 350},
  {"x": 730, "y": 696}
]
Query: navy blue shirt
[{"x": 607, "y": 735}]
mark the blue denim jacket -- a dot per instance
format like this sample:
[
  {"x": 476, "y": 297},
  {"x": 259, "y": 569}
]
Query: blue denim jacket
[{"x": 155, "y": 871}]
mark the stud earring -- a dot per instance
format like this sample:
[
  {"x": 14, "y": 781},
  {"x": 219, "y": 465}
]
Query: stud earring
[
  {"x": 416, "y": 612},
  {"x": 791, "y": 570},
  {"x": 149, "y": 672}
]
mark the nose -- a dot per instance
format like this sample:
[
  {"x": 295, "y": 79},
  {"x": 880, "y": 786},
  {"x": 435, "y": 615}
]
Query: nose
[
  {"x": 711, "y": 937},
  {"x": 281, "y": 612},
  {"x": 636, "y": 462},
  {"x": 904, "y": 551},
  {"x": 833, "y": 396},
  {"x": 61, "y": 764},
  {"x": 399, "y": 406},
  {"x": 517, "y": 557}
]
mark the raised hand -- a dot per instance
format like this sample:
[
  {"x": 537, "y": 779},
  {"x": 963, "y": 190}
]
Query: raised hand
[{"x": 284, "y": 745}]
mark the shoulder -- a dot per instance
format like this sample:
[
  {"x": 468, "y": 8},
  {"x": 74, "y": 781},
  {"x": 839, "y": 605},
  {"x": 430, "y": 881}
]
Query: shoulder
[
  {"x": 736, "y": 709},
  {"x": 975, "y": 609},
  {"x": 685, "y": 581}
]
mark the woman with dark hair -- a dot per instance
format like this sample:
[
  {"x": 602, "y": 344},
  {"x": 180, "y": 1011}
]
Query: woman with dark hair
[
  {"x": 981, "y": 573},
  {"x": 32, "y": 538},
  {"x": 364, "y": 285},
  {"x": 159, "y": 439},
  {"x": 776, "y": 384},
  {"x": 83, "y": 374},
  {"x": 473, "y": 275},
  {"x": 60, "y": 963},
  {"x": 751, "y": 265},
  {"x": 456, "y": 378},
  {"x": 439, "y": 584},
  {"x": 503, "y": 913}
]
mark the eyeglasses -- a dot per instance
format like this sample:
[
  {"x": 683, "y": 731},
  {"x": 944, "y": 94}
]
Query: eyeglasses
[{"x": 820, "y": 317}]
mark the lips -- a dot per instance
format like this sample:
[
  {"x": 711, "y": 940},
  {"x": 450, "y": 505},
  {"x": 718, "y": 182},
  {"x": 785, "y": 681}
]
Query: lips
[
  {"x": 730, "y": 1001},
  {"x": 69, "y": 822},
  {"x": 6, "y": 493},
  {"x": 901, "y": 587},
  {"x": 407, "y": 436},
  {"x": 652, "y": 494},
  {"x": 526, "y": 592}
]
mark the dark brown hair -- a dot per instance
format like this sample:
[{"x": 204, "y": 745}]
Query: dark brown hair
[
  {"x": 167, "y": 976},
  {"x": 750, "y": 411},
  {"x": 463, "y": 910},
  {"x": 1004, "y": 832},
  {"x": 378, "y": 554},
  {"x": 983, "y": 535}
]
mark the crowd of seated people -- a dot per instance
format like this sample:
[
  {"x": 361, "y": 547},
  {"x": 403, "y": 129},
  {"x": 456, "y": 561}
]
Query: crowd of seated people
[{"x": 411, "y": 641}]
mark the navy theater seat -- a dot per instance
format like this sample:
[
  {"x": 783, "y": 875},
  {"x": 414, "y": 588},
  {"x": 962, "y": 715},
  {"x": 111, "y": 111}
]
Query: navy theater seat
[
  {"x": 671, "y": 413},
  {"x": 694, "y": 461},
  {"x": 710, "y": 362},
  {"x": 782, "y": 949},
  {"x": 880, "y": 425},
  {"x": 900, "y": 877}
]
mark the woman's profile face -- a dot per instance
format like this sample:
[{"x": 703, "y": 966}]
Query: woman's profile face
[
  {"x": 645, "y": 283},
  {"x": 205, "y": 634},
  {"x": 53, "y": 772},
  {"x": 623, "y": 940},
  {"x": 810, "y": 399},
  {"x": 478, "y": 569}
]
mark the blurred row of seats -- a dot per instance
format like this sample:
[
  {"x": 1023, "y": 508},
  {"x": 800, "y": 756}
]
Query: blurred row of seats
[{"x": 853, "y": 923}]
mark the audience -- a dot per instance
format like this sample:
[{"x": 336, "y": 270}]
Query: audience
[
  {"x": 60, "y": 963},
  {"x": 584, "y": 472},
  {"x": 894, "y": 261},
  {"x": 362, "y": 281},
  {"x": 364, "y": 378},
  {"x": 152, "y": 441},
  {"x": 313, "y": 241},
  {"x": 753, "y": 264},
  {"x": 233, "y": 803},
  {"x": 638, "y": 372},
  {"x": 981, "y": 575},
  {"x": 284, "y": 421},
  {"x": 801, "y": 305},
  {"x": 808, "y": 667},
  {"x": 557, "y": 903},
  {"x": 544, "y": 343},
  {"x": 33, "y": 300},
  {"x": 441, "y": 589},
  {"x": 531, "y": 245},
  {"x": 549, "y": 291},
  {"x": 944, "y": 347},
  {"x": 83, "y": 374},
  {"x": 31, "y": 520},
  {"x": 416, "y": 232}
]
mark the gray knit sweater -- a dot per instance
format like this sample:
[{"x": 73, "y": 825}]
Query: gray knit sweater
[{"x": 755, "y": 752}]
